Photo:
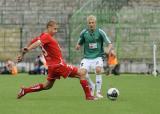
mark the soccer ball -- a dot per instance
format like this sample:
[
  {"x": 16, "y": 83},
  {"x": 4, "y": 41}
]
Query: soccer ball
[{"x": 112, "y": 93}]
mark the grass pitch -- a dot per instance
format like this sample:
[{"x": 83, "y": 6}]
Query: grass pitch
[{"x": 139, "y": 94}]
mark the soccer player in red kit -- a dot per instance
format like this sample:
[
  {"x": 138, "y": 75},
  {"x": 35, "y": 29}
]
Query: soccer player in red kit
[{"x": 56, "y": 65}]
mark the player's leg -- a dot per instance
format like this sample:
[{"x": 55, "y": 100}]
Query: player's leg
[
  {"x": 81, "y": 74},
  {"x": 91, "y": 84},
  {"x": 98, "y": 82},
  {"x": 35, "y": 88},
  {"x": 98, "y": 71},
  {"x": 85, "y": 68},
  {"x": 84, "y": 83}
]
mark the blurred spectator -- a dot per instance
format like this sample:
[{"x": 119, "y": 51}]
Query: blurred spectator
[
  {"x": 113, "y": 66},
  {"x": 9, "y": 68},
  {"x": 40, "y": 66}
]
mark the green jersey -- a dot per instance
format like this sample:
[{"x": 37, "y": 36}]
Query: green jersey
[{"x": 93, "y": 42}]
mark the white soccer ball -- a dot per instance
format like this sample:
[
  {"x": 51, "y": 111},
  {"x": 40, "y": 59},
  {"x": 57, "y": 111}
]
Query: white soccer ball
[{"x": 112, "y": 93}]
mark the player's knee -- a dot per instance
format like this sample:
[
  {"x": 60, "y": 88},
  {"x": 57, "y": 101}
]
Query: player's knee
[
  {"x": 82, "y": 72},
  {"x": 98, "y": 70}
]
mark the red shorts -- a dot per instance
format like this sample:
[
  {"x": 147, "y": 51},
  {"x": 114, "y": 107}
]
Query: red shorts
[{"x": 64, "y": 70}]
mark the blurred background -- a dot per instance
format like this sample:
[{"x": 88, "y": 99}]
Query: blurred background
[{"x": 132, "y": 25}]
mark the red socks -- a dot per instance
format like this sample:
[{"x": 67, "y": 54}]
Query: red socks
[
  {"x": 85, "y": 87},
  {"x": 35, "y": 88},
  {"x": 39, "y": 87}
]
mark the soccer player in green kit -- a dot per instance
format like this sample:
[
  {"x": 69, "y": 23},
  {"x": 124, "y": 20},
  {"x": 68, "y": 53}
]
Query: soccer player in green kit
[{"x": 93, "y": 40}]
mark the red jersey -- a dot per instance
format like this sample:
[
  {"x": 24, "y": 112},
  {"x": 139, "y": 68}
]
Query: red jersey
[
  {"x": 52, "y": 53},
  {"x": 50, "y": 49}
]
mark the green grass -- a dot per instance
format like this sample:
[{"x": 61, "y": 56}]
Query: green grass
[{"x": 139, "y": 94}]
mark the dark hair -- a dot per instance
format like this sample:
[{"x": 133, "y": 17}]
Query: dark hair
[{"x": 51, "y": 23}]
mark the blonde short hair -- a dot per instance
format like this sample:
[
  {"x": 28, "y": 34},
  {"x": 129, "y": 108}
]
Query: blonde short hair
[{"x": 91, "y": 17}]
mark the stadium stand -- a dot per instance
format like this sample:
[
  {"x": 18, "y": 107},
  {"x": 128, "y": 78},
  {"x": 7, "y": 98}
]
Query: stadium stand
[
  {"x": 133, "y": 25},
  {"x": 24, "y": 19}
]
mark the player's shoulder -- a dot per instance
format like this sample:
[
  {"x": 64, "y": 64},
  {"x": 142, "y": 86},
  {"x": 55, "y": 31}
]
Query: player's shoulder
[
  {"x": 101, "y": 31},
  {"x": 84, "y": 31},
  {"x": 44, "y": 34}
]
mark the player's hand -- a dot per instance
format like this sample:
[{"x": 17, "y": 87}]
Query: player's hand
[
  {"x": 24, "y": 50},
  {"x": 21, "y": 56},
  {"x": 78, "y": 47}
]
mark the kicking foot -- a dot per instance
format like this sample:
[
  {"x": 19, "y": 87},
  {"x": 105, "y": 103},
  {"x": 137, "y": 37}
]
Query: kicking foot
[
  {"x": 91, "y": 98},
  {"x": 21, "y": 93}
]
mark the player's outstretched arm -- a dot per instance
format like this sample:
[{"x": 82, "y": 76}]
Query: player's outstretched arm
[
  {"x": 27, "y": 49},
  {"x": 34, "y": 45}
]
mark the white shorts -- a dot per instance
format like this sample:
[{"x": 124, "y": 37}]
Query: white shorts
[{"x": 90, "y": 64}]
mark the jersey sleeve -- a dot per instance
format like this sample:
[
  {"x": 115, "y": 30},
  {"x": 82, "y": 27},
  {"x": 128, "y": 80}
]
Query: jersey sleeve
[
  {"x": 105, "y": 37},
  {"x": 34, "y": 40},
  {"x": 44, "y": 38},
  {"x": 81, "y": 38}
]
